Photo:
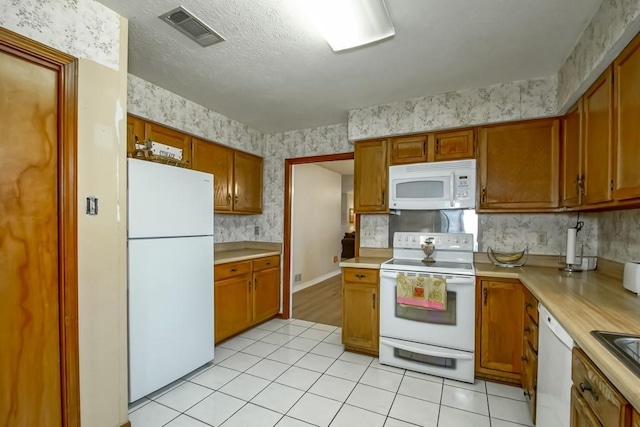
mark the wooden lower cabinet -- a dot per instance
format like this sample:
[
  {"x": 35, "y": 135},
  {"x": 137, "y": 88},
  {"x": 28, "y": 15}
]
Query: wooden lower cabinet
[
  {"x": 360, "y": 310},
  {"x": 499, "y": 329},
  {"x": 636, "y": 419},
  {"x": 581, "y": 414},
  {"x": 245, "y": 293}
]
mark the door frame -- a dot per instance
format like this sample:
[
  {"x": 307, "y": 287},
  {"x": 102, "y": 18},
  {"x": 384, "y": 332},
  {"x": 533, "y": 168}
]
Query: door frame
[
  {"x": 67, "y": 68},
  {"x": 288, "y": 199}
]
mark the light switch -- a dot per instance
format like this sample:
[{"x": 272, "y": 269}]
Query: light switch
[{"x": 92, "y": 205}]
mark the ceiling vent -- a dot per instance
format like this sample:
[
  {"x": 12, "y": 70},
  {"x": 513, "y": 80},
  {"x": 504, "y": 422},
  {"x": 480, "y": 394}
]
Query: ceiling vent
[{"x": 185, "y": 22}]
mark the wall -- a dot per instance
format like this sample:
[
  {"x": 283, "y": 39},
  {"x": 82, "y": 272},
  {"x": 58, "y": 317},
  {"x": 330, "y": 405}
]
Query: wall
[
  {"x": 347, "y": 203},
  {"x": 619, "y": 235},
  {"x": 98, "y": 36},
  {"x": 159, "y": 105},
  {"x": 316, "y": 223}
]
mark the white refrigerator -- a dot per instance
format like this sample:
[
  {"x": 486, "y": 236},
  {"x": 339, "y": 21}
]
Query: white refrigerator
[{"x": 170, "y": 269}]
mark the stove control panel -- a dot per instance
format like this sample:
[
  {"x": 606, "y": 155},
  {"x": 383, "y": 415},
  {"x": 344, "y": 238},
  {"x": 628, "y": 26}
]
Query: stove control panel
[{"x": 446, "y": 241}]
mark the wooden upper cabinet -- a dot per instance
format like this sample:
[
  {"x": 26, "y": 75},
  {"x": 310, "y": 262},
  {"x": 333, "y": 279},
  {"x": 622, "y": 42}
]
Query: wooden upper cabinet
[
  {"x": 135, "y": 133},
  {"x": 627, "y": 129},
  {"x": 174, "y": 138},
  {"x": 501, "y": 326},
  {"x": 597, "y": 142},
  {"x": 408, "y": 149},
  {"x": 247, "y": 173},
  {"x": 519, "y": 166},
  {"x": 217, "y": 160},
  {"x": 571, "y": 176},
  {"x": 371, "y": 176},
  {"x": 454, "y": 145}
]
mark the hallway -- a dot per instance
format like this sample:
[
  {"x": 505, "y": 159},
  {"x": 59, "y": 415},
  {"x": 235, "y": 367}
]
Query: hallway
[{"x": 320, "y": 303}]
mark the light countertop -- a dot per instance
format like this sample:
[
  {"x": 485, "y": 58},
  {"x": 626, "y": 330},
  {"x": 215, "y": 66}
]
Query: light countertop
[
  {"x": 582, "y": 302},
  {"x": 245, "y": 254},
  {"x": 364, "y": 262}
]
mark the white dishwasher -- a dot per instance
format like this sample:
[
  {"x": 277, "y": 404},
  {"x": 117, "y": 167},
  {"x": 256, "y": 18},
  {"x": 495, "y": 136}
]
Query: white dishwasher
[{"x": 554, "y": 373}]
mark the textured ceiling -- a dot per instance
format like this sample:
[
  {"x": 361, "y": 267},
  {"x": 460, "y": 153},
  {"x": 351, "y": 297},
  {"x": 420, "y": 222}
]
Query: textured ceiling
[{"x": 276, "y": 73}]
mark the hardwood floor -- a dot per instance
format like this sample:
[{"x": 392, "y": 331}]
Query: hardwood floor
[{"x": 321, "y": 303}]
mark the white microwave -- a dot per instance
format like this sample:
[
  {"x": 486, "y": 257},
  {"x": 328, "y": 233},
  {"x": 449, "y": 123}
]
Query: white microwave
[{"x": 431, "y": 186}]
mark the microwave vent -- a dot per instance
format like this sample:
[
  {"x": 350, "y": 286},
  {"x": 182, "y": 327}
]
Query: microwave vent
[
  {"x": 191, "y": 26},
  {"x": 431, "y": 166}
]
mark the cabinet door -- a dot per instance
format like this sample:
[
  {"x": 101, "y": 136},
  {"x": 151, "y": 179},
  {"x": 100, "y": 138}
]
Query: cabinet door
[
  {"x": 636, "y": 419},
  {"x": 370, "y": 176},
  {"x": 170, "y": 137},
  {"x": 519, "y": 166},
  {"x": 217, "y": 160},
  {"x": 597, "y": 148},
  {"x": 627, "y": 129},
  {"x": 266, "y": 295},
  {"x": 581, "y": 414},
  {"x": 232, "y": 303},
  {"x": 529, "y": 377},
  {"x": 501, "y": 326},
  {"x": 360, "y": 316},
  {"x": 247, "y": 174},
  {"x": 409, "y": 149},
  {"x": 571, "y": 179},
  {"x": 135, "y": 133},
  {"x": 454, "y": 145}
]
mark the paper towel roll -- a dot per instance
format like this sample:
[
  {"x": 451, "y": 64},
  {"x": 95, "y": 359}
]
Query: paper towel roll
[{"x": 571, "y": 245}]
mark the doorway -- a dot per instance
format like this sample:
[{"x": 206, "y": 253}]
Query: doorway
[
  {"x": 38, "y": 256},
  {"x": 289, "y": 241}
]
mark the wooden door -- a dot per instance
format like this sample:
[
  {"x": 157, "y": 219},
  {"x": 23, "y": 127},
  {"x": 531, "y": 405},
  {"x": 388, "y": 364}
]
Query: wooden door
[
  {"x": 598, "y": 134},
  {"x": 266, "y": 295},
  {"x": 627, "y": 128},
  {"x": 232, "y": 301},
  {"x": 501, "y": 326},
  {"x": 371, "y": 176},
  {"x": 519, "y": 166},
  {"x": 408, "y": 149},
  {"x": 38, "y": 261},
  {"x": 167, "y": 136},
  {"x": 571, "y": 179},
  {"x": 247, "y": 175},
  {"x": 581, "y": 414},
  {"x": 360, "y": 316},
  {"x": 135, "y": 133},
  {"x": 454, "y": 145},
  {"x": 217, "y": 160}
]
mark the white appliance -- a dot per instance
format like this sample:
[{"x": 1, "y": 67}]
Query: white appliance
[
  {"x": 434, "y": 185},
  {"x": 554, "y": 373},
  {"x": 170, "y": 267},
  {"x": 631, "y": 278},
  {"x": 430, "y": 341}
]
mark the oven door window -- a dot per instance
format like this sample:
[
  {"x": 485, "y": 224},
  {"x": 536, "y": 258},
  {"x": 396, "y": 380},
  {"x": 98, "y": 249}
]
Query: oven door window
[
  {"x": 420, "y": 190},
  {"x": 438, "y": 317}
]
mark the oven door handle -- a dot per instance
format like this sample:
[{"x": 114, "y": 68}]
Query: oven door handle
[{"x": 434, "y": 353}]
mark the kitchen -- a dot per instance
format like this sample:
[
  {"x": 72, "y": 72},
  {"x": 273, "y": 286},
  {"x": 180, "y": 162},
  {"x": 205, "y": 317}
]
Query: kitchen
[{"x": 101, "y": 305}]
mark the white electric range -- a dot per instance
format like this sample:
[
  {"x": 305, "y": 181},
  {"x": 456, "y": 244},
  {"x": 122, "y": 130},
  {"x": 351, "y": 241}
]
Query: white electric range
[{"x": 434, "y": 342}]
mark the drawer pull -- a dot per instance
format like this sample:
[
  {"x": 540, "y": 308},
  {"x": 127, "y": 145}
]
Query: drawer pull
[
  {"x": 233, "y": 270},
  {"x": 527, "y": 329},
  {"x": 269, "y": 263},
  {"x": 528, "y": 305},
  {"x": 360, "y": 276},
  {"x": 586, "y": 386},
  {"x": 527, "y": 394},
  {"x": 524, "y": 358}
]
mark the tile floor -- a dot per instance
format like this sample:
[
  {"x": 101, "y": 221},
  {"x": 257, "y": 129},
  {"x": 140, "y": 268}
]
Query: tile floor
[{"x": 294, "y": 373}]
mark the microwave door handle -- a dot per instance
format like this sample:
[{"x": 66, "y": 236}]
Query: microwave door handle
[{"x": 452, "y": 189}]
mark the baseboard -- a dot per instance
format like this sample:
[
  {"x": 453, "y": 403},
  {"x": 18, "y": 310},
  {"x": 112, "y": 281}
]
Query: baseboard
[
  {"x": 127, "y": 424},
  {"x": 304, "y": 285}
]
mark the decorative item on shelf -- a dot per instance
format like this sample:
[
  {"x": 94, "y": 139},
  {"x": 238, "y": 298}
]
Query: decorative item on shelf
[
  {"x": 428, "y": 248},
  {"x": 508, "y": 259},
  {"x": 148, "y": 151}
]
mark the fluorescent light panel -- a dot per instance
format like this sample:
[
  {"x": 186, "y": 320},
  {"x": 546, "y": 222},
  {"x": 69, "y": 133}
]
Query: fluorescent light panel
[{"x": 346, "y": 24}]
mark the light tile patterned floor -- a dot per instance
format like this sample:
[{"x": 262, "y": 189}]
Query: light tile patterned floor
[{"x": 294, "y": 373}]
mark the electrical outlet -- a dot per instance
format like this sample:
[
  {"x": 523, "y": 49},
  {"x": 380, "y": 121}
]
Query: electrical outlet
[
  {"x": 297, "y": 278},
  {"x": 256, "y": 230},
  {"x": 542, "y": 239},
  {"x": 368, "y": 233}
]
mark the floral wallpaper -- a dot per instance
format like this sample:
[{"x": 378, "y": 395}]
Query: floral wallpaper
[
  {"x": 608, "y": 25},
  {"x": 82, "y": 28},
  {"x": 619, "y": 235},
  {"x": 498, "y": 103}
]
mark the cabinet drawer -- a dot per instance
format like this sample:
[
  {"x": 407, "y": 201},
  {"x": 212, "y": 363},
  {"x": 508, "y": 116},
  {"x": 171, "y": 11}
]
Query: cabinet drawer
[
  {"x": 231, "y": 269},
  {"x": 531, "y": 332},
  {"x": 531, "y": 307},
  {"x": 360, "y": 275},
  {"x": 607, "y": 403},
  {"x": 264, "y": 263}
]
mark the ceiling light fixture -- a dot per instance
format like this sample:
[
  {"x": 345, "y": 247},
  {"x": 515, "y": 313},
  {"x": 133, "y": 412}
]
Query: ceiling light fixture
[{"x": 346, "y": 24}]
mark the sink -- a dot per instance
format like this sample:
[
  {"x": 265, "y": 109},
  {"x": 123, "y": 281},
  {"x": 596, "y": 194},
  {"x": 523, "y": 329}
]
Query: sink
[{"x": 625, "y": 347}]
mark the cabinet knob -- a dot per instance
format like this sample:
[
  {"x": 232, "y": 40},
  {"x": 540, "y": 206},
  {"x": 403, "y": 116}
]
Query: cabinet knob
[
  {"x": 527, "y": 394},
  {"x": 360, "y": 276},
  {"x": 233, "y": 270},
  {"x": 485, "y": 294},
  {"x": 524, "y": 358},
  {"x": 229, "y": 197},
  {"x": 586, "y": 386},
  {"x": 528, "y": 305},
  {"x": 527, "y": 329},
  {"x": 484, "y": 195}
]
